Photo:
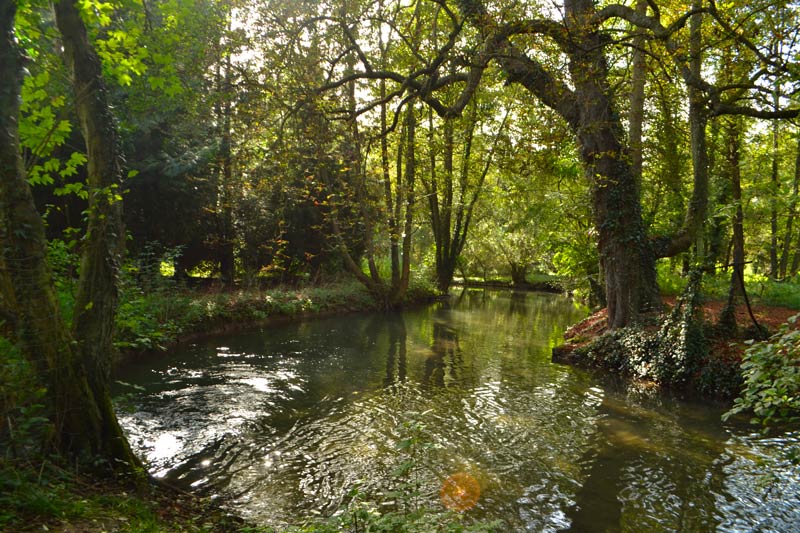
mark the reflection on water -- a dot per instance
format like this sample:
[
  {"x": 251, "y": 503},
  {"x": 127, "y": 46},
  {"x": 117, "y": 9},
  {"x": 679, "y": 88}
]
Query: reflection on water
[{"x": 286, "y": 422}]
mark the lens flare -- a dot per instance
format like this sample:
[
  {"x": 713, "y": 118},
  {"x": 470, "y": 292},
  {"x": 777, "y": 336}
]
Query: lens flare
[{"x": 460, "y": 492}]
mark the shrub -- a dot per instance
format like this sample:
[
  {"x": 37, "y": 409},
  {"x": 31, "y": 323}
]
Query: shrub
[{"x": 771, "y": 372}]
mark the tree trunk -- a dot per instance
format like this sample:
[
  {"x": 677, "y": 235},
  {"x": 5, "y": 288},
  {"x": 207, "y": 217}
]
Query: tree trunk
[
  {"x": 451, "y": 215},
  {"x": 98, "y": 431},
  {"x": 225, "y": 208},
  {"x": 519, "y": 273},
  {"x": 716, "y": 233},
  {"x": 394, "y": 237},
  {"x": 636, "y": 112},
  {"x": 694, "y": 219},
  {"x": 788, "y": 235},
  {"x": 775, "y": 190},
  {"x": 627, "y": 257},
  {"x": 39, "y": 325},
  {"x": 406, "y": 197},
  {"x": 727, "y": 318},
  {"x": 796, "y": 261}
]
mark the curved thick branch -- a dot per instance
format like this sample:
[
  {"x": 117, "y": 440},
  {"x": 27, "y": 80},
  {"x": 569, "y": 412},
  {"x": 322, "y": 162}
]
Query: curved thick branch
[
  {"x": 538, "y": 80},
  {"x": 550, "y": 28}
]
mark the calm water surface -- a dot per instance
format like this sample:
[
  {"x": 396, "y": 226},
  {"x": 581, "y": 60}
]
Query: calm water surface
[{"x": 286, "y": 421}]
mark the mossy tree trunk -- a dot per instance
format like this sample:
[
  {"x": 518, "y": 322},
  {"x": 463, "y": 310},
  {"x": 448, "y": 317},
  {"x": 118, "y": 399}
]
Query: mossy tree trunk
[
  {"x": 789, "y": 232},
  {"x": 39, "y": 326},
  {"x": 627, "y": 255},
  {"x": 519, "y": 273},
  {"x": 75, "y": 373},
  {"x": 97, "y": 298}
]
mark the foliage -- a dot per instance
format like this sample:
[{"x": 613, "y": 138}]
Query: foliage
[
  {"x": 772, "y": 379},
  {"x": 760, "y": 288},
  {"x": 670, "y": 355},
  {"x": 153, "y": 320},
  {"x": 53, "y": 496},
  {"x": 22, "y": 411}
]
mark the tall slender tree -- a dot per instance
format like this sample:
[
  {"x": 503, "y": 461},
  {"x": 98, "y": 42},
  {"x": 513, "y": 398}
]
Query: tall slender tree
[{"x": 789, "y": 232}]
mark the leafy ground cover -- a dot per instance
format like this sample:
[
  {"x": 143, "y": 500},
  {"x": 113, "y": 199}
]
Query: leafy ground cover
[
  {"x": 156, "y": 319},
  {"x": 728, "y": 361}
]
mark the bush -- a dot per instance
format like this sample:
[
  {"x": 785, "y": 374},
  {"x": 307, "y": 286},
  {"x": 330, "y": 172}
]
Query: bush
[
  {"x": 153, "y": 320},
  {"x": 771, "y": 372}
]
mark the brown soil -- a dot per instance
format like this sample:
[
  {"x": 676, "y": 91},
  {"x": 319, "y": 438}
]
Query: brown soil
[
  {"x": 730, "y": 349},
  {"x": 771, "y": 317}
]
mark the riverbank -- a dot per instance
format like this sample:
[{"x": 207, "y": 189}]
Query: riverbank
[
  {"x": 159, "y": 320},
  {"x": 535, "y": 283},
  {"x": 53, "y": 497},
  {"x": 717, "y": 374},
  {"x": 37, "y": 493}
]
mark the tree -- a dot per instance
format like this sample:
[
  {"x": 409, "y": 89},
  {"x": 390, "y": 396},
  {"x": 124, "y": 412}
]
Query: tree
[
  {"x": 584, "y": 98},
  {"x": 453, "y": 187},
  {"x": 73, "y": 364},
  {"x": 789, "y": 233},
  {"x": 727, "y": 318}
]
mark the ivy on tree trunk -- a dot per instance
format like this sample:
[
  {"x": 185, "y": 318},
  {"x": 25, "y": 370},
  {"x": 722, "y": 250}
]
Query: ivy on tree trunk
[{"x": 72, "y": 364}]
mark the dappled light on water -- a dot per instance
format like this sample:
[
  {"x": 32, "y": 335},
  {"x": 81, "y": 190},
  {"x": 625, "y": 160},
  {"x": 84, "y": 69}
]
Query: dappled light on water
[{"x": 453, "y": 407}]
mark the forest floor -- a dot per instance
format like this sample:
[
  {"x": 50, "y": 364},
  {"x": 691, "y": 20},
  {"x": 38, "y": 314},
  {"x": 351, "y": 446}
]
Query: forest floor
[
  {"x": 768, "y": 316},
  {"x": 85, "y": 504}
]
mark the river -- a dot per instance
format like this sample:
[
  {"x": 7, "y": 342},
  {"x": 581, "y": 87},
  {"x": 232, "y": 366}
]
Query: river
[{"x": 285, "y": 422}]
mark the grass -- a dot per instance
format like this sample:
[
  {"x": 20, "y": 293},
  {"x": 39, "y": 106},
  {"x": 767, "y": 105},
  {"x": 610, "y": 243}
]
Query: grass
[
  {"x": 48, "y": 497},
  {"x": 760, "y": 288}
]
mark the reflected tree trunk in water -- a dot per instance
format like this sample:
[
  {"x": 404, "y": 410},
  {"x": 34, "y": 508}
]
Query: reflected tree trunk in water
[
  {"x": 621, "y": 470},
  {"x": 517, "y": 304},
  {"x": 396, "y": 358},
  {"x": 597, "y": 505},
  {"x": 446, "y": 357}
]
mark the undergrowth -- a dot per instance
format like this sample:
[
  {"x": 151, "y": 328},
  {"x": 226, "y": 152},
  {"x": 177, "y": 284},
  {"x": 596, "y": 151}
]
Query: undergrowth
[
  {"x": 760, "y": 288},
  {"x": 153, "y": 320},
  {"x": 771, "y": 369}
]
